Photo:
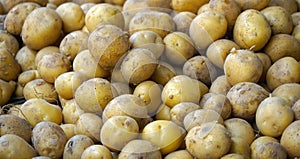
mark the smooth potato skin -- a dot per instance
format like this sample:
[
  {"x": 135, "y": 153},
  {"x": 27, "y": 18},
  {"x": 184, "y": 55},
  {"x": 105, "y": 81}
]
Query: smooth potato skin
[
  {"x": 95, "y": 152},
  {"x": 76, "y": 145},
  {"x": 189, "y": 5},
  {"x": 11, "y": 69},
  {"x": 290, "y": 139},
  {"x": 252, "y": 4}
]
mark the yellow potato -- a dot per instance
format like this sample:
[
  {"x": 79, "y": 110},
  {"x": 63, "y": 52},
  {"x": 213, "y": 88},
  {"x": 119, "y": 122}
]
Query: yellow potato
[
  {"x": 187, "y": 5},
  {"x": 76, "y": 145},
  {"x": 25, "y": 58},
  {"x": 179, "y": 111},
  {"x": 252, "y": 4},
  {"x": 10, "y": 67},
  {"x": 69, "y": 130},
  {"x": 267, "y": 149},
  {"x": 95, "y": 152},
  {"x": 71, "y": 112},
  {"x": 44, "y": 51},
  {"x": 288, "y": 91},
  {"x": 296, "y": 32},
  {"x": 8, "y": 4},
  {"x": 89, "y": 124},
  {"x": 220, "y": 85},
  {"x": 57, "y": 2},
  {"x": 290, "y": 139},
  {"x": 220, "y": 104},
  {"x": 296, "y": 109},
  {"x": 289, "y": 5},
  {"x": 163, "y": 113},
  {"x": 86, "y": 7},
  {"x": 232, "y": 156},
  {"x": 183, "y": 21},
  {"x": 7, "y": 89},
  {"x": 262, "y": 139},
  {"x": 163, "y": 73},
  {"x": 295, "y": 18},
  {"x": 266, "y": 62},
  {"x": 179, "y": 154}
]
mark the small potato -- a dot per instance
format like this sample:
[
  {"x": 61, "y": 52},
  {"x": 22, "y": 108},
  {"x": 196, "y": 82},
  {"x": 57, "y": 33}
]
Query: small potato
[
  {"x": 296, "y": 109},
  {"x": 278, "y": 75},
  {"x": 149, "y": 40},
  {"x": 85, "y": 64},
  {"x": 121, "y": 88},
  {"x": 138, "y": 148},
  {"x": 99, "y": 92},
  {"x": 233, "y": 156},
  {"x": 44, "y": 51},
  {"x": 76, "y": 145},
  {"x": 220, "y": 104},
  {"x": 52, "y": 65},
  {"x": 187, "y": 5},
  {"x": 179, "y": 47},
  {"x": 179, "y": 111},
  {"x": 288, "y": 91},
  {"x": 37, "y": 110},
  {"x": 159, "y": 22},
  {"x": 282, "y": 45},
  {"x": 103, "y": 13},
  {"x": 138, "y": 65},
  {"x": 165, "y": 134},
  {"x": 200, "y": 68},
  {"x": 95, "y": 152},
  {"x": 218, "y": 51},
  {"x": 86, "y": 7},
  {"x": 290, "y": 139},
  {"x": 49, "y": 139},
  {"x": 206, "y": 28},
  {"x": 251, "y": 30},
  {"x": 107, "y": 44},
  {"x": 9, "y": 42},
  {"x": 163, "y": 113},
  {"x": 32, "y": 34},
  {"x": 25, "y": 58},
  {"x": 163, "y": 73},
  {"x": 200, "y": 116},
  {"x": 179, "y": 154},
  {"x": 239, "y": 146},
  {"x": 10, "y": 67},
  {"x": 67, "y": 83},
  {"x": 183, "y": 21},
  {"x": 245, "y": 98},
  {"x": 7, "y": 89},
  {"x": 12, "y": 124},
  {"x": 203, "y": 141},
  {"x": 69, "y": 130},
  {"x": 295, "y": 18},
  {"x": 71, "y": 15},
  {"x": 89, "y": 124},
  {"x": 266, "y": 62},
  {"x": 73, "y": 43},
  {"x": 117, "y": 131},
  {"x": 242, "y": 66},
  {"x": 204, "y": 98},
  {"x": 270, "y": 150},
  {"x": 39, "y": 88},
  {"x": 220, "y": 85},
  {"x": 11, "y": 145},
  {"x": 273, "y": 108},
  {"x": 71, "y": 112},
  {"x": 16, "y": 16},
  {"x": 289, "y": 5}
]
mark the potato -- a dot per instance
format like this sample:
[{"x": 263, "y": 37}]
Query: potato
[
  {"x": 203, "y": 141},
  {"x": 39, "y": 88},
  {"x": 289, "y": 5},
  {"x": 220, "y": 104},
  {"x": 273, "y": 108},
  {"x": 115, "y": 2},
  {"x": 159, "y": 22},
  {"x": 290, "y": 139},
  {"x": 179, "y": 154},
  {"x": 163, "y": 73},
  {"x": 41, "y": 157},
  {"x": 245, "y": 98},
  {"x": 71, "y": 112},
  {"x": 67, "y": 83},
  {"x": 220, "y": 85},
  {"x": 44, "y": 51},
  {"x": 117, "y": 131},
  {"x": 99, "y": 92},
  {"x": 218, "y": 51},
  {"x": 71, "y": 15},
  {"x": 179, "y": 111},
  {"x": 179, "y": 89},
  {"x": 239, "y": 146},
  {"x": 189, "y": 5},
  {"x": 150, "y": 93},
  {"x": 89, "y": 124},
  {"x": 288, "y": 91},
  {"x": 51, "y": 26},
  {"x": 282, "y": 45},
  {"x": 49, "y": 139},
  {"x": 183, "y": 21},
  {"x": 87, "y": 1},
  {"x": 52, "y": 65},
  {"x": 278, "y": 75},
  {"x": 252, "y": 4},
  {"x": 236, "y": 64},
  {"x": 11, "y": 124},
  {"x": 240, "y": 128},
  {"x": 101, "y": 14},
  {"x": 57, "y": 2},
  {"x": 7, "y": 89},
  {"x": 295, "y": 18},
  {"x": 204, "y": 98},
  {"x": 25, "y": 58},
  {"x": 138, "y": 65},
  {"x": 252, "y": 32},
  {"x": 269, "y": 150},
  {"x": 9, "y": 42},
  {"x": 76, "y": 145},
  {"x": 163, "y": 113},
  {"x": 233, "y": 156},
  {"x": 206, "y": 28},
  {"x": 69, "y": 130},
  {"x": 96, "y": 151},
  {"x": 296, "y": 109},
  {"x": 138, "y": 148},
  {"x": 260, "y": 140},
  {"x": 10, "y": 67},
  {"x": 296, "y": 32},
  {"x": 37, "y": 110},
  {"x": 86, "y": 7},
  {"x": 73, "y": 43},
  {"x": 200, "y": 68},
  {"x": 84, "y": 63},
  {"x": 149, "y": 40},
  {"x": 16, "y": 16},
  {"x": 107, "y": 44},
  {"x": 11, "y": 145},
  {"x": 179, "y": 48},
  {"x": 121, "y": 88},
  {"x": 7, "y": 4},
  {"x": 266, "y": 62},
  {"x": 165, "y": 134}
]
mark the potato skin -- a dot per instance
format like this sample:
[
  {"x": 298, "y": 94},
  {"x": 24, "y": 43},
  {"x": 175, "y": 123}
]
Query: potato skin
[
  {"x": 10, "y": 68},
  {"x": 187, "y": 5},
  {"x": 258, "y": 5},
  {"x": 288, "y": 91},
  {"x": 290, "y": 139},
  {"x": 76, "y": 145},
  {"x": 7, "y": 89},
  {"x": 96, "y": 151},
  {"x": 9, "y": 42}
]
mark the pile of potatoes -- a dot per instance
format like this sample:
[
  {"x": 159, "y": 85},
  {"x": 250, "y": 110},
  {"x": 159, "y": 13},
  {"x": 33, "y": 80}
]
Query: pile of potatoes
[{"x": 150, "y": 79}]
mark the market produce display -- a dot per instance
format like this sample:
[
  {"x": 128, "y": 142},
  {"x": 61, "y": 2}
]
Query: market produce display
[{"x": 149, "y": 79}]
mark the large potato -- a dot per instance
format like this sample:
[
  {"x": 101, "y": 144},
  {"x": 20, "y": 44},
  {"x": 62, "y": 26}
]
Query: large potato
[
  {"x": 290, "y": 139},
  {"x": 40, "y": 23},
  {"x": 12, "y": 145},
  {"x": 251, "y": 30},
  {"x": 95, "y": 152},
  {"x": 252, "y": 4},
  {"x": 10, "y": 67},
  {"x": 76, "y": 145},
  {"x": 187, "y": 5},
  {"x": 89, "y": 124},
  {"x": 44, "y": 51},
  {"x": 49, "y": 139}
]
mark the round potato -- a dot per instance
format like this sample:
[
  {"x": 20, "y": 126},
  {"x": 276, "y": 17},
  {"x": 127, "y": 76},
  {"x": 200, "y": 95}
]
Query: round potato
[
  {"x": 183, "y": 21},
  {"x": 7, "y": 90},
  {"x": 258, "y": 5},
  {"x": 232, "y": 156},
  {"x": 251, "y": 30},
  {"x": 267, "y": 149},
  {"x": 296, "y": 32},
  {"x": 76, "y": 145},
  {"x": 179, "y": 154},
  {"x": 296, "y": 18},
  {"x": 220, "y": 104},
  {"x": 9, "y": 42},
  {"x": 163, "y": 113},
  {"x": 27, "y": 76},
  {"x": 10, "y": 67},
  {"x": 288, "y": 91},
  {"x": 69, "y": 130},
  {"x": 262, "y": 139},
  {"x": 290, "y": 139},
  {"x": 54, "y": 147},
  {"x": 187, "y": 5},
  {"x": 34, "y": 29},
  {"x": 290, "y": 5},
  {"x": 89, "y": 124},
  {"x": 25, "y": 58},
  {"x": 96, "y": 151},
  {"x": 44, "y": 51},
  {"x": 220, "y": 85},
  {"x": 71, "y": 112},
  {"x": 163, "y": 73},
  {"x": 7, "y": 4},
  {"x": 179, "y": 111},
  {"x": 296, "y": 109},
  {"x": 278, "y": 75}
]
